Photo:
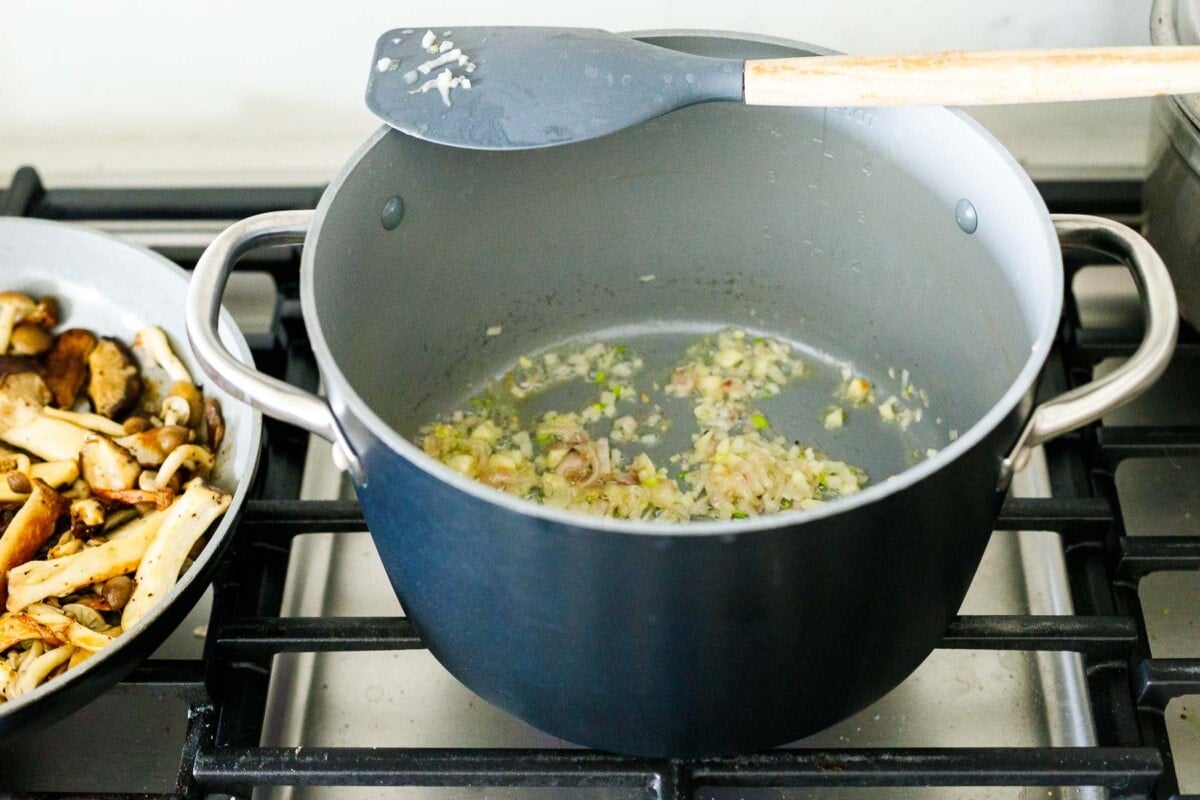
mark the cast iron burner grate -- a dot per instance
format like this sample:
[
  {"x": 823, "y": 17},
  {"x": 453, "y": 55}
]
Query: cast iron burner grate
[{"x": 226, "y": 691}]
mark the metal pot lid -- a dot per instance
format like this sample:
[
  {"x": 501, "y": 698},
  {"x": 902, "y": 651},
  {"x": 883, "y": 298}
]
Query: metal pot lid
[{"x": 1176, "y": 22}]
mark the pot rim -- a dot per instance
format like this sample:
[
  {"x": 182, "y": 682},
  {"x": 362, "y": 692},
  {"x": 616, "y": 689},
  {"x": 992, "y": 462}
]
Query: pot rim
[
  {"x": 1168, "y": 27},
  {"x": 339, "y": 387}
]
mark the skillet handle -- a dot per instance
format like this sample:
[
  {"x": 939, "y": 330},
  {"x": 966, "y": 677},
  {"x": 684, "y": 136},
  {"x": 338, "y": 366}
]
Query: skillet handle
[
  {"x": 1089, "y": 402},
  {"x": 270, "y": 395}
]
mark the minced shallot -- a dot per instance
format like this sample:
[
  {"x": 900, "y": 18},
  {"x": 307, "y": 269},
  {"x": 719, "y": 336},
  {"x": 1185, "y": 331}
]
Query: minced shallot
[{"x": 736, "y": 467}]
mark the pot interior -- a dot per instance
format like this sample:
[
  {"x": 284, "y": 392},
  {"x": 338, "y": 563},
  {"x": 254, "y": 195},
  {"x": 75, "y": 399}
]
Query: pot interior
[{"x": 837, "y": 229}]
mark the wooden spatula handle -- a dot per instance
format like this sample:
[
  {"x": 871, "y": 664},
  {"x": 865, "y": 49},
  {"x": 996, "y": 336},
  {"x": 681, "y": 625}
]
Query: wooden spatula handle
[{"x": 970, "y": 78}]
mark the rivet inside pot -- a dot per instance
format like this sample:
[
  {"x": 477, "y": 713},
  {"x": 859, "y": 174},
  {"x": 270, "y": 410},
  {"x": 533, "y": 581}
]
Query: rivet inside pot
[
  {"x": 393, "y": 212},
  {"x": 966, "y": 215}
]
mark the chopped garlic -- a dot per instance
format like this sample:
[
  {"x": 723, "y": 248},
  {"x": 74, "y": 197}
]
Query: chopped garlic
[
  {"x": 735, "y": 469},
  {"x": 445, "y": 58},
  {"x": 445, "y": 46},
  {"x": 443, "y": 83},
  {"x": 495, "y": 330},
  {"x": 386, "y": 64},
  {"x": 858, "y": 390},
  {"x": 427, "y": 41}
]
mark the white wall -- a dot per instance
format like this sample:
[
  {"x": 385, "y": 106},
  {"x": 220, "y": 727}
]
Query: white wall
[{"x": 194, "y": 90}]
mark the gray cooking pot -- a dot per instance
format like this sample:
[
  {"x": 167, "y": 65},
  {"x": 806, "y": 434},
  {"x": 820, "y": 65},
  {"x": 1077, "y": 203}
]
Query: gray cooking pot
[
  {"x": 1171, "y": 194},
  {"x": 899, "y": 236}
]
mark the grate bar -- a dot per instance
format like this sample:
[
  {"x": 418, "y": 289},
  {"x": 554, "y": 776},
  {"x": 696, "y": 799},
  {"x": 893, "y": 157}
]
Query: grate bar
[
  {"x": 1063, "y": 514},
  {"x": 1128, "y": 770},
  {"x": 253, "y": 636},
  {"x": 1147, "y": 441},
  {"x": 183, "y": 679},
  {"x": 1097, "y": 636},
  {"x": 1132, "y": 769},
  {"x": 170, "y": 203},
  {"x": 275, "y": 521},
  {"x": 1138, "y": 556},
  {"x": 265, "y": 636},
  {"x": 1160, "y": 680}
]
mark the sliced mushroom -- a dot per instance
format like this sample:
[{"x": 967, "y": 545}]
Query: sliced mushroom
[
  {"x": 55, "y": 473},
  {"x": 117, "y": 517},
  {"x": 186, "y": 521},
  {"x": 12, "y": 365},
  {"x": 45, "y": 313},
  {"x": 93, "y": 422},
  {"x": 78, "y": 490},
  {"x": 115, "y": 382},
  {"x": 67, "y": 628},
  {"x": 154, "y": 341},
  {"x": 214, "y": 421},
  {"x": 159, "y": 498},
  {"x": 152, "y": 447},
  {"x": 15, "y": 628},
  {"x": 26, "y": 386},
  {"x": 40, "y": 668},
  {"x": 30, "y": 340},
  {"x": 14, "y": 307},
  {"x": 23, "y": 425},
  {"x": 67, "y": 365},
  {"x": 133, "y": 425},
  {"x": 67, "y": 545},
  {"x": 29, "y": 530},
  {"x": 78, "y": 657},
  {"x": 37, "y": 580},
  {"x": 107, "y": 466},
  {"x": 87, "y": 518}
]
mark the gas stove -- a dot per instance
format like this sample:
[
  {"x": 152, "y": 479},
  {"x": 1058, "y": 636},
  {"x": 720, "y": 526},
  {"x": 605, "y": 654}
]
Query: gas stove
[{"x": 1073, "y": 670}]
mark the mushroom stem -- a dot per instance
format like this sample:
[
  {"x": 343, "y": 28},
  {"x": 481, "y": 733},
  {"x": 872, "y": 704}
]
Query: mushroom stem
[
  {"x": 185, "y": 522},
  {"x": 154, "y": 341},
  {"x": 192, "y": 457},
  {"x": 93, "y": 422}
]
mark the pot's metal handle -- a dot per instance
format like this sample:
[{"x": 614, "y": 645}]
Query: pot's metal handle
[
  {"x": 1093, "y": 400},
  {"x": 270, "y": 395}
]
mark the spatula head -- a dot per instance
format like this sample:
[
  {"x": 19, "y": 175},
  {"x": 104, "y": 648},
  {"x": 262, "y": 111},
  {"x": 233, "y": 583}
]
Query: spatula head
[{"x": 511, "y": 88}]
